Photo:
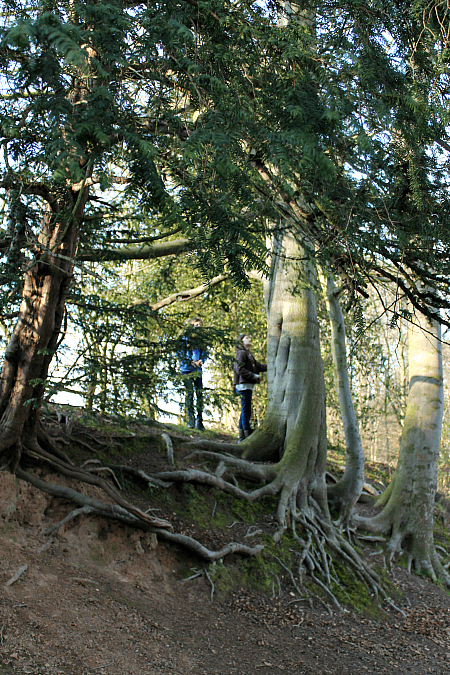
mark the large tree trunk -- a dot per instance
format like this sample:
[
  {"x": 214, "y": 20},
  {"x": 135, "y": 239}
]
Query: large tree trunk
[
  {"x": 407, "y": 516},
  {"x": 346, "y": 492},
  {"x": 34, "y": 339},
  {"x": 294, "y": 428}
]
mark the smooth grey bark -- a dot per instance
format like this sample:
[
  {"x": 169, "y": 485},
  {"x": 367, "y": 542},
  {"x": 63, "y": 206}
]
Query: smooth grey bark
[
  {"x": 294, "y": 428},
  {"x": 346, "y": 492},
  {"x": 142, "y": 252},
  {"x": 407, "y": 516}
]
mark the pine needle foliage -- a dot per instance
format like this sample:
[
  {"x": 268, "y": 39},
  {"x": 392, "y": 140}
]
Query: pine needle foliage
[{"x": 213, "y": 119}]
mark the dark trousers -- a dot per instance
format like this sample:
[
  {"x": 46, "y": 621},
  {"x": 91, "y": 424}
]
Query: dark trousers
[
  {"x": 246, "y": 409},
  {"x": 193, "y": 382}
]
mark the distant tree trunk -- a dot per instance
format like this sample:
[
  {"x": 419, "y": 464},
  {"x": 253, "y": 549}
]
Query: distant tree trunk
[
  {"x": 346, "y": 492},
  {"x": 34, "y": 339},
  {"x": 407, "y": 516},
  {"x": 294, "y": 428}
]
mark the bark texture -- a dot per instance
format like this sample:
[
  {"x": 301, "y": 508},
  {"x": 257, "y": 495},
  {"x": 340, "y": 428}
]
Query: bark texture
[
  {"x": 293, "y": 432},
  {"x": 34, "y": 339},
  {"x": 407, "y": 516}
]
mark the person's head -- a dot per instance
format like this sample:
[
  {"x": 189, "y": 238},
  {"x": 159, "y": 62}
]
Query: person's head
[
  {"x": 245, "y": 340},
  {"x": 196, "y": 322}
]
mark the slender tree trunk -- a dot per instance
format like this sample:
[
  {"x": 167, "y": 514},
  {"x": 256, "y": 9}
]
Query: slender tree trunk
[
  {"x": 346, "y": 492},
  {"x": 407, "y": 516}
]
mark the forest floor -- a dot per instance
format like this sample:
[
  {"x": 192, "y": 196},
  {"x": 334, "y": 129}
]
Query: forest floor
[{"x": 98, "y": 597}]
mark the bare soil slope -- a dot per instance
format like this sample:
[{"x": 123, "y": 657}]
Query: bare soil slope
[{"x": 98, "y": 597}]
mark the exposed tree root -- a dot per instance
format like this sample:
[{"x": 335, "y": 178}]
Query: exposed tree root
[
  {"x": 196, "y": 476},
  {"x": 300, "y": 506},
  {"x": 401, "y": 538},
  {"x": 138, "y": 473},
  {"x": 324, "y": 541},
  {"x": 114, "y": 511},
  {"x": 146, "y": 523},
  {"x": 86, "y": 477}
]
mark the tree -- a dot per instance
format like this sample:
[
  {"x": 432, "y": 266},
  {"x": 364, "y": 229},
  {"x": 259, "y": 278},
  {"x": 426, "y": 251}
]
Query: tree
[
  {"x": 94, "y": 104},
  {"x": 213, "y": 119},
  {"x": 408, "y": 502},
  {"x": 346, "y": 492}
]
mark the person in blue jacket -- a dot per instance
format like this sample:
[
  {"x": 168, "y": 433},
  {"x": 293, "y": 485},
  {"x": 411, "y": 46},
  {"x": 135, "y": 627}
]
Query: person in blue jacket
[{"x": 192, "y": 356}]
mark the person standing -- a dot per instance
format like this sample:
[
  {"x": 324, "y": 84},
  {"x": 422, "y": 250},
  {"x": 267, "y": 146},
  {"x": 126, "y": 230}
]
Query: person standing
[
  {"x": 192, "y": 356},
  {"x": 246, "y": 374}
]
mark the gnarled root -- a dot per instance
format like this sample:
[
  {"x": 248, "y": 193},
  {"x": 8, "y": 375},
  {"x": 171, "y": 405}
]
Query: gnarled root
[
  {"x": 403, "y": 538},
  {"x": 324, "y": 541}
]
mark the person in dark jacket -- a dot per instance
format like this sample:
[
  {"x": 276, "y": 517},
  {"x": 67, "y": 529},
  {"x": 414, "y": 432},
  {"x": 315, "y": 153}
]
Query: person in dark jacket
[
  {"x": 192, "y": 356},
  {"x": 246, "y": 375}
]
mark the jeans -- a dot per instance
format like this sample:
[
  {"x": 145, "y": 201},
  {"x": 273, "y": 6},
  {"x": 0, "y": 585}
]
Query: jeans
[
  {"x": 246, "y": 409},
  {"x": 193, "y": 382}
]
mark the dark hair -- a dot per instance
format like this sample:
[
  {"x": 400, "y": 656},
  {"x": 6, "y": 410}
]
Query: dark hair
[{"x": 239, "y": 343}]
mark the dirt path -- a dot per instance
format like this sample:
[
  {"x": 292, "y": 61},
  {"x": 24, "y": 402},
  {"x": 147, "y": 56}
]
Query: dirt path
[{"x": 101, "y": 599}]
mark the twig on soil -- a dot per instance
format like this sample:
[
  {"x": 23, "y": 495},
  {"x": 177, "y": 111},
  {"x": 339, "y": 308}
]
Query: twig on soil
[
  {"x": 83, "y": 581},
  {"x": 16, "y": 576},
  {"x": 193, "y": 576}
]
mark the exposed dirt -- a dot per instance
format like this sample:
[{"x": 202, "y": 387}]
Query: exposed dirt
[{"x": 98, "y": 597}]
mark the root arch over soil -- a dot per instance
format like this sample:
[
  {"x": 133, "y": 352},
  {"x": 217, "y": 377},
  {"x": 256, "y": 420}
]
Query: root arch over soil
[{"x": 317, "y": 543}]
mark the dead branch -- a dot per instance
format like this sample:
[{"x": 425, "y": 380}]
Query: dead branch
[{"x": 169, "y": 445}]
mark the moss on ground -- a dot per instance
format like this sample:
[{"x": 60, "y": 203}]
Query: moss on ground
[{"x": 214, "y": 510}]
